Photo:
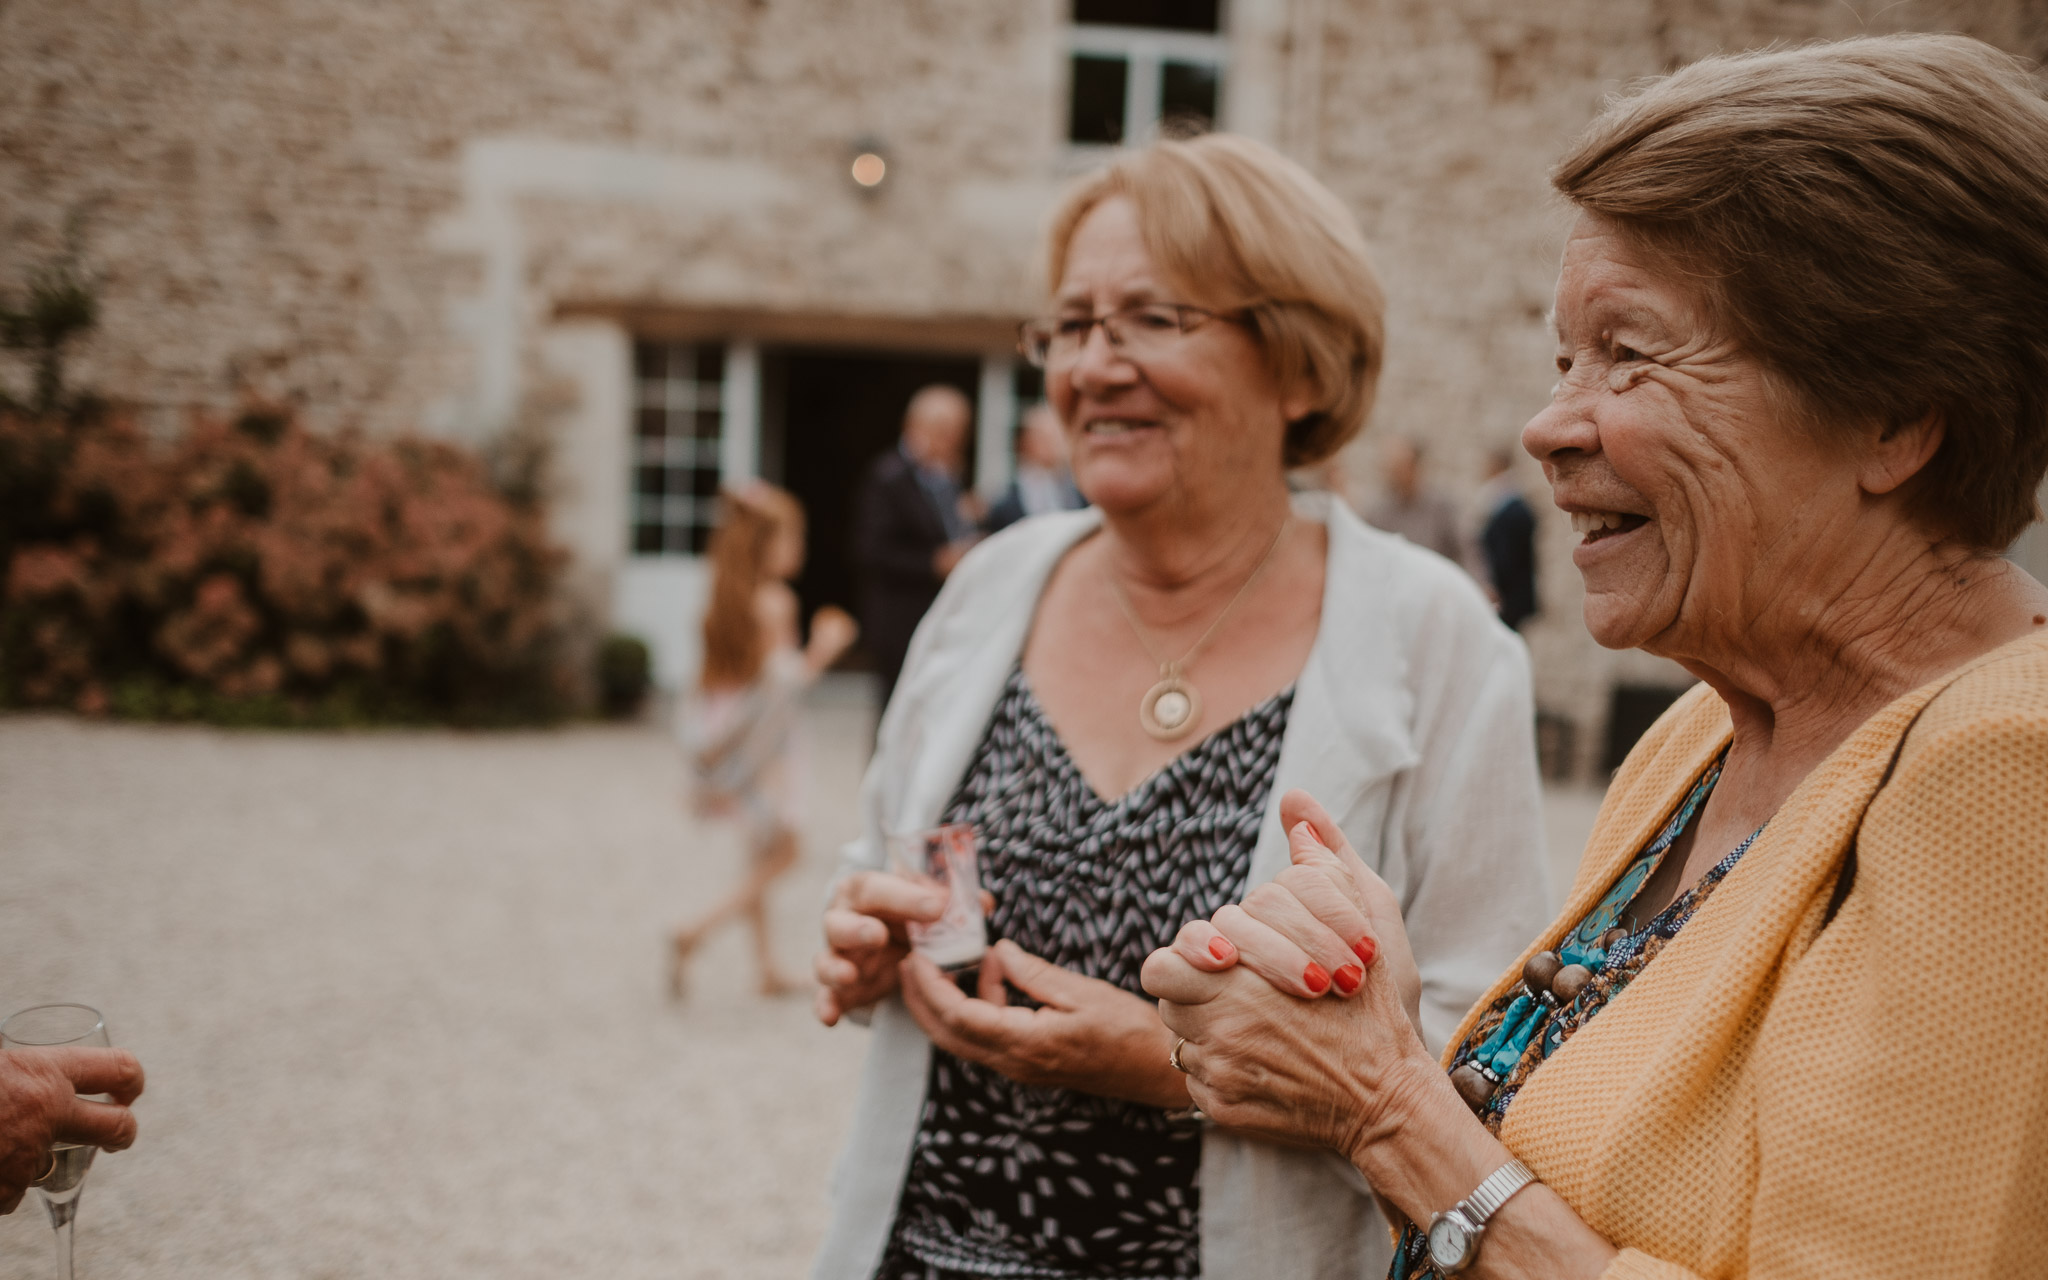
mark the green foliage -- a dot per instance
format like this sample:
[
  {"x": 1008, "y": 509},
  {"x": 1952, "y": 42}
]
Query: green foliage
[{"x": 623, "y": 673}]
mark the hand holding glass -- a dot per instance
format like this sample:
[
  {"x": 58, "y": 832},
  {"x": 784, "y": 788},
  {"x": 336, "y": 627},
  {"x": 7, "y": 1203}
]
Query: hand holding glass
[{"x": 50, "y": 1026}]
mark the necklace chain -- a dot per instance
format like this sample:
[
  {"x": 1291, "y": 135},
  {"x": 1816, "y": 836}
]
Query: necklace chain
[{"x": 1174, "y": 668}]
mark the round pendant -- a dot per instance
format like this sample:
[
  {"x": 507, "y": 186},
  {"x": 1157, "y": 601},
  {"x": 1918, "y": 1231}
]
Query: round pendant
[{"x": 1170, "y": 709}]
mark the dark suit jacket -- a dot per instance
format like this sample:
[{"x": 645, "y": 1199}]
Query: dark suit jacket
[
  {"x": 896, "y": 531},
  {"x": 1009, "y": 508},
  {"x": 1509, "y": 543}
]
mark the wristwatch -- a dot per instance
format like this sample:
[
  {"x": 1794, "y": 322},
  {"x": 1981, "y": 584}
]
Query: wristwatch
[{"x": 1454, "y": 1234}]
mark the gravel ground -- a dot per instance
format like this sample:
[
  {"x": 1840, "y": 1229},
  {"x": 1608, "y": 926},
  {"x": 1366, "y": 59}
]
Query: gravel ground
[{"x": 401, "y": 1000}]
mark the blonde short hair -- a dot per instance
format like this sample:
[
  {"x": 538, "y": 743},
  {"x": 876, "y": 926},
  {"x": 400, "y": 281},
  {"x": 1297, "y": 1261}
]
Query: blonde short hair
[{"x": 1236, "y": 227}]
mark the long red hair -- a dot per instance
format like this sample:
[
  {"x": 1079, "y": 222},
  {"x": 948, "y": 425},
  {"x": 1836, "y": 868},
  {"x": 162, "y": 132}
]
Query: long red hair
[{"x": 749, "y": 522}]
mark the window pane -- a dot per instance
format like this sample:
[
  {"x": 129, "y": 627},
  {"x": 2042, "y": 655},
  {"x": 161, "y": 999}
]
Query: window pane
[
  {"x": 1169, "y": 15},
  {"x": 1096, "y": 112},
  {"x": 1187, "y": 95},
  {"x": 676, "y": 429}
]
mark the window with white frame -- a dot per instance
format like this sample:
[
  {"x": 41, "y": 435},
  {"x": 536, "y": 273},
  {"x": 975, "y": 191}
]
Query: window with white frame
[
  {"x": 1138, "y": 64},
  {"x": 678, "y": 418}
]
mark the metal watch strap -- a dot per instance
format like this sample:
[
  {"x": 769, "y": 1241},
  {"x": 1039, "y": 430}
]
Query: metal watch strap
[{"x": 1490, "y": 1195}]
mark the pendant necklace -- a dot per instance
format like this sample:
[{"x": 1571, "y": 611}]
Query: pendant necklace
[{"x": 1171, "y": 708}]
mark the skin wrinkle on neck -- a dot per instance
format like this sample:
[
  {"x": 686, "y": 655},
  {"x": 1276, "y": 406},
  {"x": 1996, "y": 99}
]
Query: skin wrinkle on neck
[
  {"x": 1848, "y": 640},
  {"x": 1808, "y": 662},
  {"x": 1870, "y": 645},
  {"x": 1179, "y": 565}
]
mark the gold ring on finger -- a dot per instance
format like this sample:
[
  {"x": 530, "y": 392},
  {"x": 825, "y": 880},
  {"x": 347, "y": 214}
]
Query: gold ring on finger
[
  {"x": 51, "y": 1172},
  {"x": 1173, "y": 1059}
]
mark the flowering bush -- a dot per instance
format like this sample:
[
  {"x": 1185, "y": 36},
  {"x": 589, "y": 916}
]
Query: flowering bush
[{"x": 256, "y": 571}]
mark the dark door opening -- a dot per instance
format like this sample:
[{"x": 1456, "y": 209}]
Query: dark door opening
[{"x": 826, "y": 413}]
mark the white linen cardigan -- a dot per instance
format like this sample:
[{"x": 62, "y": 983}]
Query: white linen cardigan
[{"x": 1411, "y": 722}]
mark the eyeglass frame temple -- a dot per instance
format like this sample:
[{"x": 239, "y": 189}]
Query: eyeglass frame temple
[{"x": 1181, "y": 311}]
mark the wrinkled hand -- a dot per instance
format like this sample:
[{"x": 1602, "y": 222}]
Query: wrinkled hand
[
  {"x": 866, "y": 938},
  {"x": 40, "y": 1106},
  {"x": 1090, "y": 1035},
  {"x": 1324, "y": 915},
  {"x": 1264, "y": 1052}
]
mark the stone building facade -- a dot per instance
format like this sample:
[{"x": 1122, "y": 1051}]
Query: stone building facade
[{"x": 632, "y": 226}]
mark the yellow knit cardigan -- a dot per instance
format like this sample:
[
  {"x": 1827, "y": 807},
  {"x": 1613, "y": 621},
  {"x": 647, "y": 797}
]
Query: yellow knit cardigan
[{"x": 1775, "y": 1100}]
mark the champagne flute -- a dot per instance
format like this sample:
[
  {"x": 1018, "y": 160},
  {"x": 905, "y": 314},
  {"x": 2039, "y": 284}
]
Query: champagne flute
[{"x": 45, "y": 1026}]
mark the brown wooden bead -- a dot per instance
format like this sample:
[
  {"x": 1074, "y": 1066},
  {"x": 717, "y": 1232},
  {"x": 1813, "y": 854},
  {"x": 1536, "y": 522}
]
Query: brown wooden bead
[
  {"x": 1472, "y": 1085},
  {"x": 1612, "y": 936},
  {"x": 1538, "y": 970},
  {"x": 1569, "y": 981}
]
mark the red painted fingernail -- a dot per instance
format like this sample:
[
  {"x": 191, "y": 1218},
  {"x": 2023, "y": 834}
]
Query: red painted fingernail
[
  {"x": 1315, "y": 979},
  {"x": 1348, "y": 978},
  {"x": 1222, "y": 950},
  {"x": 1366, "y": 950}
]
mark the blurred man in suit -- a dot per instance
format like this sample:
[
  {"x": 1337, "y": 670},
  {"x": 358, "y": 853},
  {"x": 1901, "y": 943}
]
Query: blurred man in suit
[
  {"x": 1507, "y": 541},
  {"x": 912, "y": 524},
  {"x": 1043, "y": 482}
]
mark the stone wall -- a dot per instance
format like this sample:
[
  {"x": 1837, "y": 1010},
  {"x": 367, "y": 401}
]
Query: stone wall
[
  {"x": 378, "y": 211},
  {"x": 309, "y": 199}
]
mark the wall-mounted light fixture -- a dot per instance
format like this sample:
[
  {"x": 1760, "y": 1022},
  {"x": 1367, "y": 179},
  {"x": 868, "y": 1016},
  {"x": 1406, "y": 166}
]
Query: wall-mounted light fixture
[{"x": 869, "y": 167}]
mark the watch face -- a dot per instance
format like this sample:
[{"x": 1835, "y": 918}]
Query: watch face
[{"x": 1447, "y": 1241}]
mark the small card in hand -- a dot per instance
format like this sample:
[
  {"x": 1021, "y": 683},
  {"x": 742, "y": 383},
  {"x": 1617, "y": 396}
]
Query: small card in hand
[{"x": 946, "y": 856}]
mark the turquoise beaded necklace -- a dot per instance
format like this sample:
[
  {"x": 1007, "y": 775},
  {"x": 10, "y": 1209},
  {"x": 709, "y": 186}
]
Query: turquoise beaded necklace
[{"x": 1552, "y": 981}]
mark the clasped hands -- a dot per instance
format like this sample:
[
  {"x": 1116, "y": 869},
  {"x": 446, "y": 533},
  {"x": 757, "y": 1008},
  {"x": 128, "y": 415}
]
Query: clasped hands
[
  {"x": 1300, "y": 1006},
  {"x": 1265, "y": 1051}
]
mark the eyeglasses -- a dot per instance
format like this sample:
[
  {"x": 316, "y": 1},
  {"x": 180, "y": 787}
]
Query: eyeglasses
[{"x": 1138, "y": 333}]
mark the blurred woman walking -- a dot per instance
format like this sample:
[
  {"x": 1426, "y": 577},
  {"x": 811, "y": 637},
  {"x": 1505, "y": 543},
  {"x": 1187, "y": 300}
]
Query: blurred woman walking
[{"x": 739, "y": 725}]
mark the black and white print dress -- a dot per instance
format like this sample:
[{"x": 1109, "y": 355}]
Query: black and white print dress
[{"x": 1010, "y": 1180}]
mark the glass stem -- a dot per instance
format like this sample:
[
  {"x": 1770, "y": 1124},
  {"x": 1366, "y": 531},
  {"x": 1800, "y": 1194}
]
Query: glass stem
[{"x": 61, "y": 1217}]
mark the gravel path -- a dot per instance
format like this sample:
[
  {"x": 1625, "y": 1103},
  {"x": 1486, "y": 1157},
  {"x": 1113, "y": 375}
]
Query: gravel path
[{"x": 401, "y": 1000}]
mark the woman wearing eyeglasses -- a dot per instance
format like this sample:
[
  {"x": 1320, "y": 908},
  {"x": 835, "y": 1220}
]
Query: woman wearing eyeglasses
[{"x": 1116, "y": 699}]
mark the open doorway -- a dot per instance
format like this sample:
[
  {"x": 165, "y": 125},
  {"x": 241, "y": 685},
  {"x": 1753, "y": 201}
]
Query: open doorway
[{"x": 826, "y": 413}]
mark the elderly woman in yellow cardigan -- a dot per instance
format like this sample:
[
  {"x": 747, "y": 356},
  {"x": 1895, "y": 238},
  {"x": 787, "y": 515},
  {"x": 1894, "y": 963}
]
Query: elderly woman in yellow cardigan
[{"x": 1790, "y": 1021}]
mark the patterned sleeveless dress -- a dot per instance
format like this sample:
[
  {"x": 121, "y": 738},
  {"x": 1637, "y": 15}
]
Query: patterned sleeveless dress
[{"x": 1010, "y": 1180}]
